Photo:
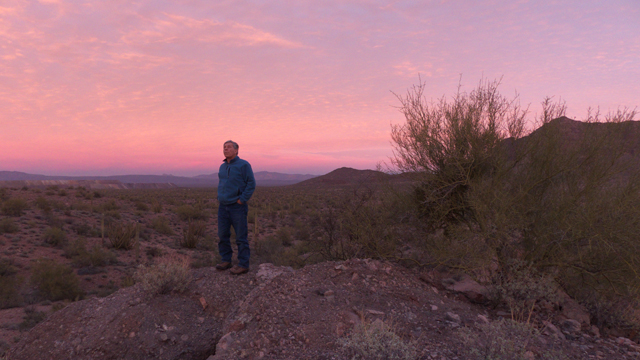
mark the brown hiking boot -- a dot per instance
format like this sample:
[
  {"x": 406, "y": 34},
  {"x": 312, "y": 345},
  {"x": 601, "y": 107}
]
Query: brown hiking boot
[
  {"x": 237, "y": 270},
  {"x": 223, "y": 266}
]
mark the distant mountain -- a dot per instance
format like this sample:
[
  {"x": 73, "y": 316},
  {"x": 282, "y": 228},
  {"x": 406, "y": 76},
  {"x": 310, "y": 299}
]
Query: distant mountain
[
  {"x": 266, "y": 178},
  {"x": 263, "y": 178},
  {"x": 346, "y": 176}
]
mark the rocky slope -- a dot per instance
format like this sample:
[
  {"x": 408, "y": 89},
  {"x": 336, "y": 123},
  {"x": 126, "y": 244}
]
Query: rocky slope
[{"x": 278, "y": 313}]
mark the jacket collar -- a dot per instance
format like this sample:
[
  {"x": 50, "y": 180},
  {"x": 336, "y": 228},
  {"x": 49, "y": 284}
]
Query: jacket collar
[{"x": 232, "y": 161}]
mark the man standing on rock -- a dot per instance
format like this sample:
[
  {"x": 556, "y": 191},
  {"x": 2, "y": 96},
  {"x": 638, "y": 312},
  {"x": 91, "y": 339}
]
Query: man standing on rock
[{"x": 235, "y": 187}]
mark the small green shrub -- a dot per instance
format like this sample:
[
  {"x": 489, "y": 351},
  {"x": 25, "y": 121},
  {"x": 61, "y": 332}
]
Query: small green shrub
[
  {"x": 110, "y": 205},
  {"x": 163, "y": 278},
  {"x": 9, "y": 285},
  {"x": 377, "y": 340},
  {"x": 14, "y": 207},
  {"x": 284, "y": 235},
  {"x": 112, "y": 214},
  {"x": 7, "y": 225},
  {"x": 156, "y": 206},
  {"x": 122, "y": 236},
  {"x": 97, "y": 256},
  {"x": 161, "y": 225},
  {"x": 31, "y": 318},
  {"x": 43, "y": 204},
  {"x": 55, "y": 236},
  {"x": 55, "y": 281},
  {"x": 140, "y": 206},
  {"x": 82, "y": 229}
]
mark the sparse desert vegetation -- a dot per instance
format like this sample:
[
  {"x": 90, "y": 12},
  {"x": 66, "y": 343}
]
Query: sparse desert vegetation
[{"x": 531, "y": 215}]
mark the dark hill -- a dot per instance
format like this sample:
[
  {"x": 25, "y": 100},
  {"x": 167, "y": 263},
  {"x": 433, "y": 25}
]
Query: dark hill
[{"x": 345, "y": 176}]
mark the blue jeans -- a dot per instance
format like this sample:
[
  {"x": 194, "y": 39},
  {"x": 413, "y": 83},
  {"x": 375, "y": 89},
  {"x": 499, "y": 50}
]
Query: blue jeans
[{"x": 233, "y": 215}]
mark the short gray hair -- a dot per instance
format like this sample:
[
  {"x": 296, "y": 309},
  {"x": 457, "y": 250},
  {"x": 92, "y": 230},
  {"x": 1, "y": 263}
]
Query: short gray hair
[{"x": 235, "y": 144}]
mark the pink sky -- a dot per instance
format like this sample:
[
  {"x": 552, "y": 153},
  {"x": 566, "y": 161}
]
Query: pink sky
[{"x": 91, "y": 87}]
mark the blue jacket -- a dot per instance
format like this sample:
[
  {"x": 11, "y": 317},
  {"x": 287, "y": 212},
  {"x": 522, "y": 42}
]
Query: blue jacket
[{"x": 235, "y": 181}]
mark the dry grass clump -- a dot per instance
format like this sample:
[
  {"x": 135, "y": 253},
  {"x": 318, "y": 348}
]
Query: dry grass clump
[
  {"x": 377, "y": 341},
  {"x": 14, "y": 207},
  {"x": 156, "y": 206},
  {"x": 122, "y": 237},
  {"x": 502, "y": 340},
  {"x": 55, "y": 281},
  {"x": 163, "y": 278},
  {"x": 193, "y": 233}
]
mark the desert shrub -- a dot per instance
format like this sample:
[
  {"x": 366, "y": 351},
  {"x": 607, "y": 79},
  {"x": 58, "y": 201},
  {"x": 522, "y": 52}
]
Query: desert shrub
[
  {"x": 14, "y": 207},
  {"x": 268, "y": 249},
  {"x": 80, "y": 206},
  {"x": 4, "y": 194},
  {"x": 7, "y": 225},
  {"x": 140, "y": 206},
  {"x": 376, "y": 340},
  {"x": 359, "y": 222},
  {"x": 10, "y": 285},
  {"x": 521, "y": 287},
  {"x": 122, "y": 236},
  {"x": 58, "y": 205},
  {"x": 193, "y": 233},
  {"x": 188, "y": 212},
  {"x": 97, "y": 256},
  {"x": 82, "y": 229},
  {"x": 156, "y": 206},
  {"x": 163, "y": 278},
  {"x": 55, "y": 236},
  {"x": 611, "y": 312},
  {"x": 75, "y": 248},
  {"x": 31, "y": 318},
  {"x": 110, "y": 205},
  {"x": 564, "y": 198},
  {"x": 502, "y": 340},
  {"x": 111, "y": 215},
  {"x": 154, "y": 251},
  {"x": 284, "y": 236},
  {"x": 43, "y": 204},
  {"x": 161, "y": 225},
  {"x": 55, "y": 281},
  {"x": 62, "y": 192}
]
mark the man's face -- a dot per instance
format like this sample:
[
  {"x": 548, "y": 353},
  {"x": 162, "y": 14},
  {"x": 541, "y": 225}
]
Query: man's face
[{"x": 229, "y": 151}]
